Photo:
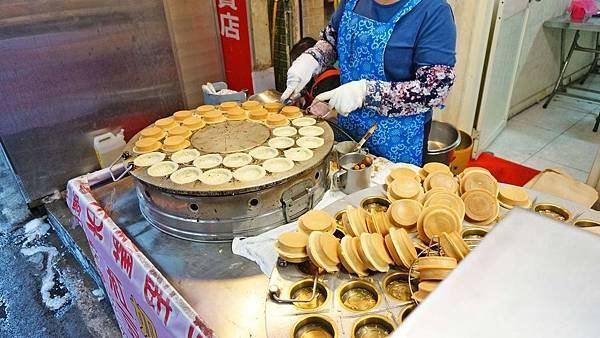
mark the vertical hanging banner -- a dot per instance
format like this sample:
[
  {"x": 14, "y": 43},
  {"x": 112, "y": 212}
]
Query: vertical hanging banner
[{"x": 235, "y": 42}]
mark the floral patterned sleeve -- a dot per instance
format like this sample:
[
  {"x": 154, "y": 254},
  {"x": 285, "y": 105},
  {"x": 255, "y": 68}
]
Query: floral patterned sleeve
[
  {"x": 429, "y": 90},
  {"x": 325, "y": 51}
]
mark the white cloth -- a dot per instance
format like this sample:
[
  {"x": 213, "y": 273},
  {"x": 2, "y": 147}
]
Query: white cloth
[
  {"x": 260, "y": 249},
  {"x": 299, "y": 74},
  {"x": 209, "y": 88},
  {"x": 346, "y": 98}
]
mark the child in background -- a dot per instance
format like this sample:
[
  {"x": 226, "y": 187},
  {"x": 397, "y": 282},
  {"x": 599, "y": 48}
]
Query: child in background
[{"x": 326, "y": 81}]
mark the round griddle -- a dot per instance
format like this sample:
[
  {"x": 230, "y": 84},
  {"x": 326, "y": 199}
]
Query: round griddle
[
  {"x": 231, "y": 137},
  {"x": 201, "y": 212}
]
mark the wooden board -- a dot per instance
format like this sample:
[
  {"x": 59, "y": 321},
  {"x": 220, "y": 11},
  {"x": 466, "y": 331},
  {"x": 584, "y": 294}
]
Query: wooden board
[{"x": 196, "y": 46}]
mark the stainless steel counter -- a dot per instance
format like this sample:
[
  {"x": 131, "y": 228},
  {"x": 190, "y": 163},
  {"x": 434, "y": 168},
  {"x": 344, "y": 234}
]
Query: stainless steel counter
[
  {"x": 229, "y": 292},
  {"x": 226, "y": 290}
]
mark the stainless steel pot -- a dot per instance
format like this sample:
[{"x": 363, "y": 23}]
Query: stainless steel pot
[
  {"x": 268, "y": 96},
  {"x": 349, "y": 180},
  {"x": 443, "y": 139}
]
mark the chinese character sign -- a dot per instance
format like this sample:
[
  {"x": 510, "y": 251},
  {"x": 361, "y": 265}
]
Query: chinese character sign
[
  {"x": 235, "y": 42},
  {"x": 144, "y": 302}
]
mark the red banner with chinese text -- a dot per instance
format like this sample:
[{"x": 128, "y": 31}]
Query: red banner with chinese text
[
  {"x": 144, "y": 302},
  {"x": 235, "y": 42}
]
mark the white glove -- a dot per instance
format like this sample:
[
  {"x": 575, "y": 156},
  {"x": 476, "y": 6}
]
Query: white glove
[
  {"x": 299, "y": 74},
  {"x": 346, "y": 98}
]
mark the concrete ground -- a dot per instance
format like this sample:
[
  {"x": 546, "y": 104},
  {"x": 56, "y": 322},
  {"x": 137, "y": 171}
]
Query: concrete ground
[{"x": 43, "y": 292}]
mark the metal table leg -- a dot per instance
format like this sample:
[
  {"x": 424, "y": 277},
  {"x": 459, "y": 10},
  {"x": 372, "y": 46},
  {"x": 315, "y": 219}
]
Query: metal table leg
[
  {"x": 594, "y": 63},
  {"x": 563, "y": 33},
  {"x": 597, "y": 123},
  {"x": 563, "y": 70}
]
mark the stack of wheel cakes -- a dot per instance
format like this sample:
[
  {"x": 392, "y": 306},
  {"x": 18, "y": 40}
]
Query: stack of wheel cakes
[
  {"x": 319, "y": 242},
  {"x": 424, "y": 210},
  {"x": 404, "y": 243}
]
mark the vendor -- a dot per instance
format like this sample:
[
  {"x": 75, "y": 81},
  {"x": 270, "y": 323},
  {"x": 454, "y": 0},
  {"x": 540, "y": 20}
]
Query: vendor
[{"x": 397, "y": 63}]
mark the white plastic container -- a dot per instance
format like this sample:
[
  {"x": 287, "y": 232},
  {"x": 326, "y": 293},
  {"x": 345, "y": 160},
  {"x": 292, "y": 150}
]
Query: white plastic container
[{"x": 109, "y": 147}]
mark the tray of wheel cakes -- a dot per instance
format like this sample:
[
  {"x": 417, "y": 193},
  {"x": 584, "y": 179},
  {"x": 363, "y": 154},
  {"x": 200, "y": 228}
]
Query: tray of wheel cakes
[
  {"x": 230, "y": 170},
  {"x": 359, "y": 267}
]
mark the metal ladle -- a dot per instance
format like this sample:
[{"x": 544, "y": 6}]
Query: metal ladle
[{"x": 364, "y": 139}]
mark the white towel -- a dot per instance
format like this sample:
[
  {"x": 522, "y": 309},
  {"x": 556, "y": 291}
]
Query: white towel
[{"x": 260, "y": 249}]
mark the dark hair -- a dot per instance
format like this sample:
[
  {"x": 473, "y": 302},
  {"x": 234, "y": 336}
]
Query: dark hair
[{"x": 301, "y": 46}]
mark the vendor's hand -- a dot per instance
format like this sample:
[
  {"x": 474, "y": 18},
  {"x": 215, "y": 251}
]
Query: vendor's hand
[
  {"x": 346, "y": 98},
  {"x": 320, "y": 109},
  {"x": 299, "y": 74}
]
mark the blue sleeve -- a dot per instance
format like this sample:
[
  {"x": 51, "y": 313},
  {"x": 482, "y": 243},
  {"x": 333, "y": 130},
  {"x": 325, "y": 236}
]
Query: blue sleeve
[{"x": 436, "y": 39}]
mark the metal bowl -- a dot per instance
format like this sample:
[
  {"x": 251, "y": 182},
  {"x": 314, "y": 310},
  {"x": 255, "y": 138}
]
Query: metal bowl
[
  {"x": 377, "y": 203},
  {"x": 404, "y": 312},
  {"x": 443, "y": 139},
  {"x": 358, "y": 296},
  {"x": 472, "y": 236},
  {"x": 302, "y": 290},
  {"x": 338, "y": 218},
  {"x": 340, "y": 231},
  {"x": 553, "y": 211},
  {"x": 268, "y": 96},
  {"x": 586, "y": 223},
  {"x": 314, "y": 325},
  {"x": 395, "y": 285},
  {"x": 372, "y": 326},
  {"x": 473, "y": 233}
]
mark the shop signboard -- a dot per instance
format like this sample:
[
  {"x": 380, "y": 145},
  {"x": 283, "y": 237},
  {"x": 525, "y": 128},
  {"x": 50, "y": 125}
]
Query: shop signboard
[{"x": 232, "y": 17}]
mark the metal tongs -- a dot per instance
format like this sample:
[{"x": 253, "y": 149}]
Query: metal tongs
[
  {"x": 115, "y": 167},
  {"x": 294, "y": 98},
  {"x": 275, "y": 292}
]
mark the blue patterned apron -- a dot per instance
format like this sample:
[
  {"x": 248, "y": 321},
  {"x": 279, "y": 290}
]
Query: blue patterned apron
[{"x": 361, "y": 46}]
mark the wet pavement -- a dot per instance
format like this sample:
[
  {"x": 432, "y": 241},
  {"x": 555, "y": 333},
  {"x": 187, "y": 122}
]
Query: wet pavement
[{"x": 43, "y": 291}]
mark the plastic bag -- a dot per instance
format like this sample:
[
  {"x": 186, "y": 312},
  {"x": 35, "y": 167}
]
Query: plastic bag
[{"x": 580, "y": 9}]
